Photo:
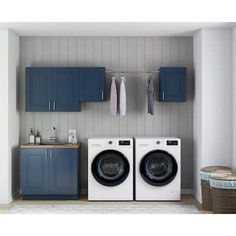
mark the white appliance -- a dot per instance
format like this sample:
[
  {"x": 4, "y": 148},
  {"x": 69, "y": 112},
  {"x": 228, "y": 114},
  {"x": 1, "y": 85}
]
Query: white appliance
[
  {"x": 110, "y": 169},
  {"x": 158, "y": 169}
]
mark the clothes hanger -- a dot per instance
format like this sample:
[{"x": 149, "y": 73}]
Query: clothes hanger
[{"x": 122, "y": 77}]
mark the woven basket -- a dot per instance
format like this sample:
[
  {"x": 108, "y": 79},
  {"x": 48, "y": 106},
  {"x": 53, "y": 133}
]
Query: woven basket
[
  {"x": 206, "y": 195},
  {"x": 223, "y": 200},
  {"x": 205, "y": 185}
]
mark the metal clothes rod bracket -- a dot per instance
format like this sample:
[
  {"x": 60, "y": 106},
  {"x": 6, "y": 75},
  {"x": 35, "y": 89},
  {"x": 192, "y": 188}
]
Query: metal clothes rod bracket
[{"x": 122, "y": 71}]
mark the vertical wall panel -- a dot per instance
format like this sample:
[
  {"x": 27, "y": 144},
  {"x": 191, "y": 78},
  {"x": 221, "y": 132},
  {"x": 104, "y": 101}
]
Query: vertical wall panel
[
  {"x": 29, "y": 61},
  {"x": 141, "y": 101},
  {"x": 166, "y": 108},
  {"x": 174, "y": 123},
  {"x": 115, "y": 65},
  {"x": 23, "y": 136},
  {"x": 46, "y": 60},
  {"x": 157, "y": 57},
  {"x": 132, "y": 78},
  {"x": 148, "y": 66},
  {"x": 183, "y": 116},
  {"x": 97, "y": 118},
  {"x": 55, "y": 61},
  {"x": 131, "y": 55},
  {"x": 64, "y": 53},
  {"x": 123, "y": 66},
  {"x": 38, "y": 55}
]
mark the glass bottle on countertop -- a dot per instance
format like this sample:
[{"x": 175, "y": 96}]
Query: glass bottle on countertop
[
  {"x": 31, "y": 137},
  {"x": 37, "y": 138}
]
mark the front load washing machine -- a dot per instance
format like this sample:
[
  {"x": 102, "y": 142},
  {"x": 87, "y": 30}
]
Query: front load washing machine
[
  {"x": 158, "y": 169},
  {"x": 110, "y": 169}
]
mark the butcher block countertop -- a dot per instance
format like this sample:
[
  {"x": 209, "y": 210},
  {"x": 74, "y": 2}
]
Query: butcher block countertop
[{"x": 49, "y": 145}]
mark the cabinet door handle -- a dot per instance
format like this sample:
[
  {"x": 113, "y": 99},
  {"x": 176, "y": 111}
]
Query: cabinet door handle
[
  {"x": 163, "y": 95},
  {"x": 54, "y": 105},
  {"x": 49, "y": 105},
  {"x": 102, "y": 94}
]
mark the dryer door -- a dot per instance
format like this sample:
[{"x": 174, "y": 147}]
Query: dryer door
[
  {"x": 110, "y": 168},
  {"x": 158, "y": 168}
]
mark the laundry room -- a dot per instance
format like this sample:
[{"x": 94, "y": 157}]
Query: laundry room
[
  {"x": 135, "y": 57},
  {"x": 113, "y": 120}
]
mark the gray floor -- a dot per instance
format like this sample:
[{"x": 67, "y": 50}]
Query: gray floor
[{"x": 187, "y": 205}]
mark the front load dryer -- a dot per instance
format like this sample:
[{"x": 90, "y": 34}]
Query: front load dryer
[
  {"x": 158, "y": 169},
  {"x": 110, "y": 169}
]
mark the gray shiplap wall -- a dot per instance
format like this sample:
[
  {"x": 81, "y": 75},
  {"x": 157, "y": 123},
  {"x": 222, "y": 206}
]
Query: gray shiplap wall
[{"x": 119, "y": 54}]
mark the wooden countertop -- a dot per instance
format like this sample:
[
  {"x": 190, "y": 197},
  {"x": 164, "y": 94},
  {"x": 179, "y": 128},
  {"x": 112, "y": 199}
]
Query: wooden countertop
[{"x": 63, "y": 145}]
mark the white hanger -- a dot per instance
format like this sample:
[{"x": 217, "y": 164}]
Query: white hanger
[
  {"x": 122, "y": 77},
  {"x": 113, "y": 77}
]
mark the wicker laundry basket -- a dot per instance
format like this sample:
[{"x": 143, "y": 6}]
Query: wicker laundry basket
[
  {"x": 205, "y": 174},
  {"x": 223, "y": 193}
]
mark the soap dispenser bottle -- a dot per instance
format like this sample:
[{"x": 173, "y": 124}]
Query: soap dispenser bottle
[
  {"x": 37, "y": 138},
  {"x": 31, "y": 137}
]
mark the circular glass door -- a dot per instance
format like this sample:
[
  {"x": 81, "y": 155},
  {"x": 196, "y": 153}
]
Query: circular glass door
[
  {"x": 110, "y": 168},
  {"x": 158, "y": 168}
]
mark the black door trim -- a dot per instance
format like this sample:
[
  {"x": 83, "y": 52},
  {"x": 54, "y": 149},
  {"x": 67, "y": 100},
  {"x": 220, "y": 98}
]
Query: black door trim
[
  {"x": 149, "y": 178},
  {"x": 101, "y": 178}
]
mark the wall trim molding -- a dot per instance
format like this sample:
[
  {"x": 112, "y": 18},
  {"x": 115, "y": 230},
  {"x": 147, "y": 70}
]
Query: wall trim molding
[
  {"x": 84, "y": 191},
  {"x": 16, "y": 194},
  {"x": 187, "y": 191}
]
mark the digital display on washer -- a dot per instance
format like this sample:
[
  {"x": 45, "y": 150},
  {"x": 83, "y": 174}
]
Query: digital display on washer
[
  {"x": 172, "y": 142},
  {"x": 124, "y": 142}
]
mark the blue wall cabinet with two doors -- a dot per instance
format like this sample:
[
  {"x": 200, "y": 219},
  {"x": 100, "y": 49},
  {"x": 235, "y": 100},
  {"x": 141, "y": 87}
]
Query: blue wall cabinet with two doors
[
  {"x": 50, "y": 173},
  {"x": 63, "y": 88},
  {"x": 172, "y": 87}
]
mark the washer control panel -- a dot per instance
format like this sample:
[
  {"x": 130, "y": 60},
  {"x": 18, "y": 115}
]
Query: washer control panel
[
  {"x": 172, "y": 142},
  {"x": 124, "y": 142}
]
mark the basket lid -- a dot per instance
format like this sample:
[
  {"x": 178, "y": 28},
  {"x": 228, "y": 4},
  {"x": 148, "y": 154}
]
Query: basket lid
[{"x": 209, "y": 171}]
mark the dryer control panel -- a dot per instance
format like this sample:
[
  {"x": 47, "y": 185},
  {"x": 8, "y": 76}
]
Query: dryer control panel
[
  {"x": 172, "y": 142},
  {"x": 124, "y": 142}
]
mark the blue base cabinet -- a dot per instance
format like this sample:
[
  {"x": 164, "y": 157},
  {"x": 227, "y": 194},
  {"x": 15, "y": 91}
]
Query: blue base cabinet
[
  {"x": 50, "y": 173},
  {"x": 34, "y": 171}
]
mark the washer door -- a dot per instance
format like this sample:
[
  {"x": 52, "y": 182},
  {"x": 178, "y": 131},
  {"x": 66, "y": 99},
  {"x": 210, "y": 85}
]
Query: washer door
[
  {"x": 158, "y": 168},
  {"x": 110, "y": 168}
]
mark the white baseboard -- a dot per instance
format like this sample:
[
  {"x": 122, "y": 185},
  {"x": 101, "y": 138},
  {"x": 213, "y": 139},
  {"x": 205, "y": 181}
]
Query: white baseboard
[
  {"x": 16, "y": 194},
  {"x": 84, "y": 191},
  {"x": 187, "y": 191}
]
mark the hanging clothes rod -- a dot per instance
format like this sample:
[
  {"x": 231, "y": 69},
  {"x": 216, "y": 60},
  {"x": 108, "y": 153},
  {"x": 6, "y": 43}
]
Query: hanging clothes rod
[{"x": 122, "y": 71}]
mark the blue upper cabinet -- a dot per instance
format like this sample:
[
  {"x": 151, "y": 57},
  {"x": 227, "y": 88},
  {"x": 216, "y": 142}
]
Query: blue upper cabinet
[
  {"x": 59, "y": 89},
  {"x": 66, "y": 89},
  {"x": 172, "y": 87},
  {"x": 92, "y": 84},
  {"x": 38, "y": 89}
]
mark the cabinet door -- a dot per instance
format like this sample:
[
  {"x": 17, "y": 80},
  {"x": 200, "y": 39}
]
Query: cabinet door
[
  {"x": 66, "y": 89},
  {"x": 64, "y": 172},
  {"x": 38, "y": 89},
  {"x": 92, "y": 84},
  {"x": 172, "y": 84},
  {"x": 34, "y": 171}
]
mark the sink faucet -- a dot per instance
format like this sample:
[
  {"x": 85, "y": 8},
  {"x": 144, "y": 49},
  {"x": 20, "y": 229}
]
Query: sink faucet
[{"x": 53, "y": 134}]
